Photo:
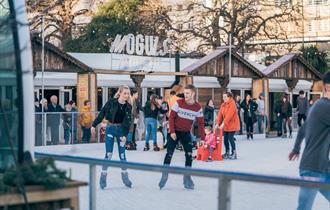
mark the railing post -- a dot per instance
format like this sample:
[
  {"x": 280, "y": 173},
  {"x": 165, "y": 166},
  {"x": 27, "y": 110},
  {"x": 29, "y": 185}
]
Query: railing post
[
  {"x": 92, "y": 187},
  {"x": 224, "y": 191}
]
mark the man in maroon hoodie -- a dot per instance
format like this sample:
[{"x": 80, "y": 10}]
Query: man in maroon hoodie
[{"x": 183, "y": 113}]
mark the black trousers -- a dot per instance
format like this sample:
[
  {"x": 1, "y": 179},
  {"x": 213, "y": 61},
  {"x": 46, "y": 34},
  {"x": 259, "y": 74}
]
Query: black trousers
[
  {"x": 300, "y": 118},
  {"x": 133, "y": 134},
  {"x": 185, "y": 139},
  {"x": 228, "y": 138},
  {"x": 249, "y": 125},
  {"x": 54, "y": 129}
]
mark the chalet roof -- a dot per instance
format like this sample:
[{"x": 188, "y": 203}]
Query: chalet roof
[
  {"x": 288, "y": 58},
  {"x": 221, "y": 51},
  {"x": 65, "y": 56}
]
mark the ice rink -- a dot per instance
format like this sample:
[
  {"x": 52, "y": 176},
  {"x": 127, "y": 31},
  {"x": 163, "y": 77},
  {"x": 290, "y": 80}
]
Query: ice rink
[{"x": 258, "y": 157}]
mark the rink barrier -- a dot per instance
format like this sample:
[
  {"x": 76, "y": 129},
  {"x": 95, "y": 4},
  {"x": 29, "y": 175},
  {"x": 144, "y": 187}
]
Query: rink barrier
[{"x": 224, "y": 177}]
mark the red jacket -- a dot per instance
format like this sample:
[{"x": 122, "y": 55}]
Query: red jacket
[{"x": 228, "y": 115}]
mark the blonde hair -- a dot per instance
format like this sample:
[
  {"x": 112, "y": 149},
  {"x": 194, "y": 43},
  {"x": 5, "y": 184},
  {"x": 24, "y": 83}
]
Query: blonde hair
[{"x": 121, "y": 89}]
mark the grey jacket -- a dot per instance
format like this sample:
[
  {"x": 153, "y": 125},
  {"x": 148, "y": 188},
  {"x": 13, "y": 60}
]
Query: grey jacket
[
  {"x": 316, "y": 132},
  {"x": 302, "y": 107}
]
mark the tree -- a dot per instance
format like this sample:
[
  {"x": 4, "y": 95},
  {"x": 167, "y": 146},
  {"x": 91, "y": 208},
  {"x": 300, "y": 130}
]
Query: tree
[
  {"x": 58, "y": 15},
  {"x": 213, "y": 22},
  {"x": 315, "y": 57},
  {"x": 114, "y": 17}
]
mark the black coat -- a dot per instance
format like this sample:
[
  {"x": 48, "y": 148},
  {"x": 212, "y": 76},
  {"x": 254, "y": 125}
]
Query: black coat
[
  {"x": 278, "y": 110},
  {"x": 252, "y": 106},
  {"x": 208, "y": 115},
  {"x": 109, "y": 111},
  {"x": 54, "y": 119}
]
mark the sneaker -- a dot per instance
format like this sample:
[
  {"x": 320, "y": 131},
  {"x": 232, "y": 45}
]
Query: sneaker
[
  {"x": 284, "y": 136},
  {"x": 233, "y": 156},
  {"x": 146, "y": 147},
  {"x": 156, "y": 148},
  {"x": 251, "y": 135},
  {"x": 225, "y": 156},
  {"x": 209, "y": 159},
  {"x": 163, "y": 180},
  {"x": 103, "y": 180},
  {"x": 188, "y": 182},
  {"x": 125, "y": 179},
  {"x": 290, "y": 136},
  {"x": 248, "y": 136}
]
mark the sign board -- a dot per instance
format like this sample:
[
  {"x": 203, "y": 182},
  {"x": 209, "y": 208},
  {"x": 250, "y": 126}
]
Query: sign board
[{"x": 140, "y": 45}]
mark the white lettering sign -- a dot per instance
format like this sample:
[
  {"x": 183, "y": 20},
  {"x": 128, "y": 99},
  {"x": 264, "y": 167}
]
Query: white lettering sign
[{"x": 140, "y": 45}]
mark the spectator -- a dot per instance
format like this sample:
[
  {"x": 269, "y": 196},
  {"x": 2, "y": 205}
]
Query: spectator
[
  {"x": 86, "y": 120},
  {"x": 53, "y": 119},
  {"x": 238, "y": 106},
  {"x": 302, "y": 107},
  {"x": 38, "y": 123},
  {"x": 209, "y": 113},
  {"x": 74, "y": 128},
  {"x": 249, "y": 107},
  {"x": 67, "y": 123},
  {"x": 261, "y": 117}
]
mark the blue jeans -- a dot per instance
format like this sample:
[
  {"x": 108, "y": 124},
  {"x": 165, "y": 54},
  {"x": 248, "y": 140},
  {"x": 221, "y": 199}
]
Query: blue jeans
[
  {"x": 86, "y": 134},
  {"x": 307, "y": 195},
  {"x": 261, "y": 123},
  {"x": 151, "y": 129},
  {"x": 112, "y": 132}
]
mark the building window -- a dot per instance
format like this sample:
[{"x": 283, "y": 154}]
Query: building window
[
  {"x": 317, "y": 2},
  {"x": 180, "y": 26},
  {"x": 179, "y": 7},
  {"x": 169, "y": 8}
]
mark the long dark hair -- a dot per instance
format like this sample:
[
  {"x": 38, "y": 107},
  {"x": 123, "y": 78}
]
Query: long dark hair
[
  {"x": 208, "y": 102},
  {"x": 153, "y": 102}
]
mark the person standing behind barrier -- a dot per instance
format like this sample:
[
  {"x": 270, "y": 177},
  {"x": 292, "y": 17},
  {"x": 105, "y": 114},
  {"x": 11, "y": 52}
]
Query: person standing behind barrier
[
  {"x": 53, "y": 119},
  {"x": 151, "y": 111},
  {"x": 74, "y": 127},
  {"x": 238, "y": 106},
  {"x": 182, "y": 115},
  {"x": 209, "y": 113},
  {"x": 250, "y": 108},
  {"x": 118, "y": 113},
  {"x": 286, "y": 115},
  {"x": 302, "y": 107},
  {"x": 314, "y": 164},
  {"x": 85, "y": 120},
  {"x": 67, "y": 123},
  {"x": 228, "y": 121},
  {"x": 38, "y": 123},
  {"x": 261, "y": 117}
]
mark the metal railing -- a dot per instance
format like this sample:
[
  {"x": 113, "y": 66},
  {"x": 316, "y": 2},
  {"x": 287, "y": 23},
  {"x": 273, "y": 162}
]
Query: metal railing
[{"x": 225, "y": 178}]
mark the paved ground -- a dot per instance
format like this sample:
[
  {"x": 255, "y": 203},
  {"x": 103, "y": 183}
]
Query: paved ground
[{"x": 258, "y": 157}]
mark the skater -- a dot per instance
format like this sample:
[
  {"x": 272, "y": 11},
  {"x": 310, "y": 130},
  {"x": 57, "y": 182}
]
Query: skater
[
  {"x": 118, "y": 112},
  {"x": 315, "y": 158},
  {"x": 285, "y": 112},
  {"x": 209, "y": 113},
  {"x": 228, "y": 120},
  {"x": 250, "y": 108},
  {"x": 302, "y": 107},
  {"x": 182, "y": 115},
  {"x": 151, "y": 111},
  {"x": 136, "y": 108}
]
